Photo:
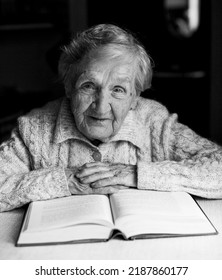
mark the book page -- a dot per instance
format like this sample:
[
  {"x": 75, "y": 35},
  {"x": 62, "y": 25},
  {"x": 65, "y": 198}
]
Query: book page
[
  {"x": 152, "y": 212},
  {"x": 137, "y": 202},
  {"x": 67, "y": 211}
]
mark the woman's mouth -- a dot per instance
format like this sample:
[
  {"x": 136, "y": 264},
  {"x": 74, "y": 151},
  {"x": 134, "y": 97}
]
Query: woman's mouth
[{"x": 98, "y": 120}]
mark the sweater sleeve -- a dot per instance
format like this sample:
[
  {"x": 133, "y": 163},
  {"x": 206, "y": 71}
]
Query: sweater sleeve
[
  {"x": 19, "y": 184},
  {"x": 193, "y": 165}
]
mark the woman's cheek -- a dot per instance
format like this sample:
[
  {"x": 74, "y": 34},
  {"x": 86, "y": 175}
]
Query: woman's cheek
[
  {"x": 120, "y": 110},
  {"x": 81, "y": 102}
]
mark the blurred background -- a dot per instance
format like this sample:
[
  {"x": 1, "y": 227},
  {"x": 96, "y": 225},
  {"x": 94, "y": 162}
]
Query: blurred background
[{"x": 184, "y": 38}]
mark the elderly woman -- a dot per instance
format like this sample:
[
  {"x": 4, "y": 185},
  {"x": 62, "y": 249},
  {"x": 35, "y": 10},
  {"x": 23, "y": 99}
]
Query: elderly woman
[{"x": 103, "y": 136}]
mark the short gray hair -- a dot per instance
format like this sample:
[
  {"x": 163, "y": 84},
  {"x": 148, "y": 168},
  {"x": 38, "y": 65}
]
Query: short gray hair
[{"x": 102, "y": 35}]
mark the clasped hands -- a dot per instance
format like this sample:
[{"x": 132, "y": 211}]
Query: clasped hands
[{"x": 101, "y": 178}]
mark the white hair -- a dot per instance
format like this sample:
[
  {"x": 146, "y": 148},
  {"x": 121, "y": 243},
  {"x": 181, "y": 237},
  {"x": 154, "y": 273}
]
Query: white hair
[{"x": 100, "y": 36}]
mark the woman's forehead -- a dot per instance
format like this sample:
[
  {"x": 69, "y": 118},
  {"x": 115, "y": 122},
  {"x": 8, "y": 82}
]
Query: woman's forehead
[
  {"x": 108, "y": 62},
  {"x": 116, "y": 63},
  {"x": 109, "y": 54},
  {"x": 122, "y": 72}
]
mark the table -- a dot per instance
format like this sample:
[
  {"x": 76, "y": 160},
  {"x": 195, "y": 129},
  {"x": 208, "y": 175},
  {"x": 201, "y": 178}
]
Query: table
[{"x": 176, "y": 248}]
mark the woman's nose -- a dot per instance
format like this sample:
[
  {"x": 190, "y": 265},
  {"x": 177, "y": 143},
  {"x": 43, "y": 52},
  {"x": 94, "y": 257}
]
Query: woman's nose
[{"x": 102, "y": 103}]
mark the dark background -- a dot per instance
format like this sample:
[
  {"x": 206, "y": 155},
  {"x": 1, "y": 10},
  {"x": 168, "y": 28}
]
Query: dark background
[{"x": 187, "y": 72}]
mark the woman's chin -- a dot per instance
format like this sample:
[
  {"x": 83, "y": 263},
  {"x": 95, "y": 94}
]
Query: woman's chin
[{"x": 98, "y": 134}]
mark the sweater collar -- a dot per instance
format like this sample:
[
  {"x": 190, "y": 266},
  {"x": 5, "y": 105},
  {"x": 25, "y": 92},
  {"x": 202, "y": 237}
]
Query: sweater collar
[{"x": 131, "y": 130}]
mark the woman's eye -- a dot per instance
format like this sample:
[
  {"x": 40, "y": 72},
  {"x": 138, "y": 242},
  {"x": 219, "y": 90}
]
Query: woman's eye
[
  {"x": 88, "y": 87},
  {"x": 119, "y": 92},
  {"x": 119, "y": 89}
]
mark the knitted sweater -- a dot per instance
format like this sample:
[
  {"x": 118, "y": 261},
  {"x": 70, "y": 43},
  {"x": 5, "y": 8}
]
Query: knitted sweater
[{"x": 169, "y": 156}]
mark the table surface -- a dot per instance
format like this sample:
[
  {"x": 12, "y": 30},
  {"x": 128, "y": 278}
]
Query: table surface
[{"x": 174, "y": 248}]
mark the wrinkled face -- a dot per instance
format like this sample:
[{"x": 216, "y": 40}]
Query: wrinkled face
[{"x": 103, "y": 95}]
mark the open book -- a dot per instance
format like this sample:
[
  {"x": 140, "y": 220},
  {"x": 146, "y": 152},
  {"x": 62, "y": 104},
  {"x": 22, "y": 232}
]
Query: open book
[{"x": 129, "y": 213}]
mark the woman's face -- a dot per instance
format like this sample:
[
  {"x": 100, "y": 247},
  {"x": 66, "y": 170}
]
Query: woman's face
[{"x": 103, "y": 95}]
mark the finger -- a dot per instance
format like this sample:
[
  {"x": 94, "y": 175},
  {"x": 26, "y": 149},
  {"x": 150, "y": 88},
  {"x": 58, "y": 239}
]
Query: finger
[
  {"x": 117, "y": 187},
  {"x": 110, "y": 181},
  {"x": 121, "y": 187},
  {"x": 95, "y": 163},
  {"x": 99, "y": 163},
  {"x": 108, "y": 190},
  {"x": 91, "y": 170},
  {"x": 116, "y": 168},
  {"x": 81, "y": 189},
  {"x": 96, "y": 177}
]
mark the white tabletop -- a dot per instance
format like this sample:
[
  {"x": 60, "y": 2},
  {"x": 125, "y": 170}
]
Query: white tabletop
[{"x": 175, "y": 248}]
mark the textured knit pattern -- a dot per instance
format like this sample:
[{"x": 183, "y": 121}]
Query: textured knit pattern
[{"x": 169, "y": 156}]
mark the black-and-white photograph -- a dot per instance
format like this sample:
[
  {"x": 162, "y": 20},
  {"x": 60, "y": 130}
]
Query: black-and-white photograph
[{"x": 110, "y": 131}]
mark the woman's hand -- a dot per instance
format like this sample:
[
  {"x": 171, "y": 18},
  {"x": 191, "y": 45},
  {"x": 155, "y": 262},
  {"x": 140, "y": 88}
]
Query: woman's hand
[
  {"x": 77, "y": 187},
  {"x": 99, "y": 175}
]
